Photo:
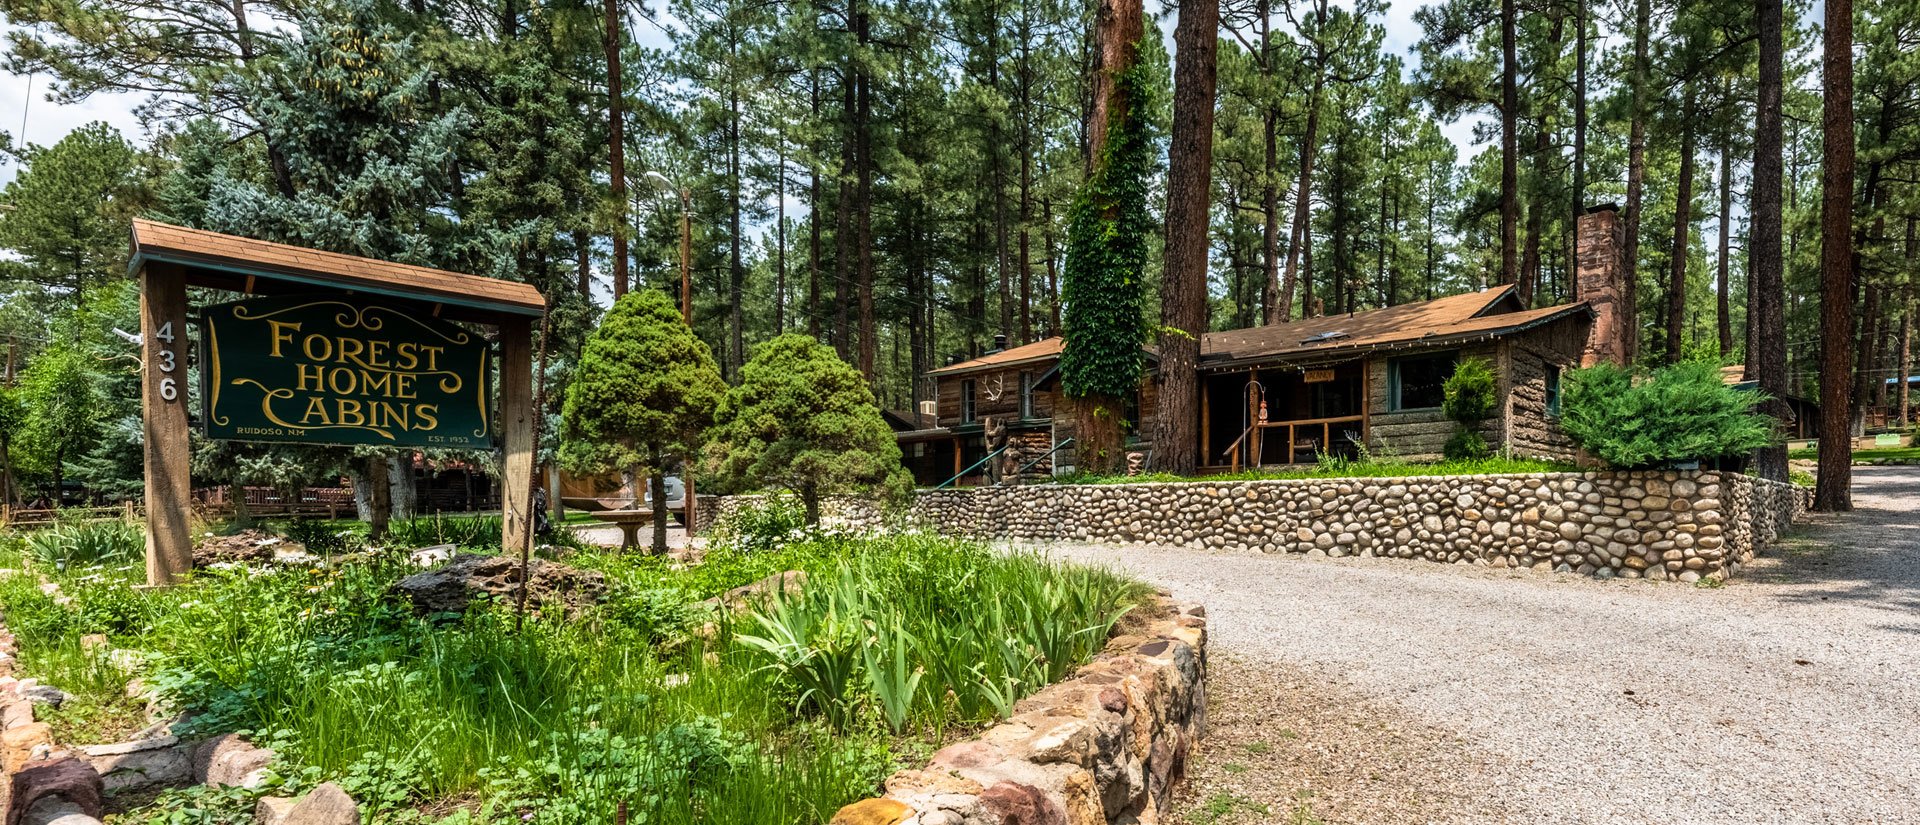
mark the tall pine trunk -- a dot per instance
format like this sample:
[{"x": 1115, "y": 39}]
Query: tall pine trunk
[
  {"x": 1636, "y": 181},
  {"x": 1579, "y": 149},
  {"x": 1183, "y": 287},
  {"x": 616, "y": 144},
  {"x": 1834, "y": 489},
  {"x": 1682, "y": 221},
  {"x": 1725, "y": 311},
  {"x": 1766, "y": 302},
  {"x": 1509, "y": 145},
  {"x": 1282, "y": 310}
]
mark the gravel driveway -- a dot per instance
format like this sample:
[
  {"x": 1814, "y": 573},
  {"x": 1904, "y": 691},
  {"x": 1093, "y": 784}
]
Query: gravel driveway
[{"x": 1375, "y": 690}]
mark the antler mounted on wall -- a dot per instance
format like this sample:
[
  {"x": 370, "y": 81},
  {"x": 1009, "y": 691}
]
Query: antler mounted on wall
[{"x": 998, "y": 389}]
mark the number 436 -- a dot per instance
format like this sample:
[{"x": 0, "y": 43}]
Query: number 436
[{"x": 169, "y": 387}]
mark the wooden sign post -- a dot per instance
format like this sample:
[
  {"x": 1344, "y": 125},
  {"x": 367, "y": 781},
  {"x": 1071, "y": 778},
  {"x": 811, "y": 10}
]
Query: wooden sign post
[
  {"x": 163, "y": 415},
  {"x": 343, "y": 350}
]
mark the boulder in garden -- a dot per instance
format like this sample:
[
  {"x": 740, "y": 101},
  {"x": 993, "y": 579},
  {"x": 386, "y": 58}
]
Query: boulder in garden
[{"x": 469, "y": 576}]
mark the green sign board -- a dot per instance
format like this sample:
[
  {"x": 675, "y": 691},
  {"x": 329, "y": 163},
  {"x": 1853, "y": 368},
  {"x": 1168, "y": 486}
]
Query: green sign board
[{"x": 343, "y": 370}]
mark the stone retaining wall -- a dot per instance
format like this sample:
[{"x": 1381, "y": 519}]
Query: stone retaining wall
[
  {"x": 1105, "y": 746},
  {"x": 1678, "y": 525}
]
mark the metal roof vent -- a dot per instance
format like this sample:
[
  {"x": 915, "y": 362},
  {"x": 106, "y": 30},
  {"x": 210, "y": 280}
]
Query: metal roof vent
[{"x": 1323, "y": 337}]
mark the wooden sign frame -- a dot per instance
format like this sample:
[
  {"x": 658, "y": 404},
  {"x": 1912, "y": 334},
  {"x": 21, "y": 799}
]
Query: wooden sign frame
[{"x": 167, "y": 259}]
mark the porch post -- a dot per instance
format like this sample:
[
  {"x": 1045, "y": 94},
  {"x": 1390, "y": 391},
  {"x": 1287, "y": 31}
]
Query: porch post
[{"x": 163, "y": 420}]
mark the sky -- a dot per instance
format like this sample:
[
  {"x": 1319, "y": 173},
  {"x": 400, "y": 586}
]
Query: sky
[{"x": 28, "y": 117}]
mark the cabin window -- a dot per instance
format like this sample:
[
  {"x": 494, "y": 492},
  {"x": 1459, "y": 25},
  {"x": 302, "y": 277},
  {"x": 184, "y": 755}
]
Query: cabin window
[
  {"x": 1026, "y": 395},
  {"x": 1419, "y": 382},
  {"x": 1553, "y": 389},
  {"x": 966, "y": 401}
]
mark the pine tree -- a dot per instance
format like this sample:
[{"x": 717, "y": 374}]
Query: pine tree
[{"x": 645, "y": 390}]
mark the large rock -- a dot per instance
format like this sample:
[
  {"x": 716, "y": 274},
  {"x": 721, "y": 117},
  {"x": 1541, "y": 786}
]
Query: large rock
[
  {"x": 229, "y": 759},
  {"x": 24, "y": 744},
  {"x": 326, "y": 805},
  {"x": 47, "y": 791},
  {"x": 872, "y": 812},
  {"x": 469, "y": 576},
  {"x": 788, "y": 583},
  {"x": 143, "y": 764},
  {"x": 244, "y": 547}
]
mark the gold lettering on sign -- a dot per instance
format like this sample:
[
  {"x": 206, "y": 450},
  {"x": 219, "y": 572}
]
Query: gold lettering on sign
[
  {"x": 365, "y": 382},
  {"x": 1317, "y": 376}
]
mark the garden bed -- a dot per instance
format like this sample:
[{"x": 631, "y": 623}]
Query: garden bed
[{"x": 655, "y": 701}]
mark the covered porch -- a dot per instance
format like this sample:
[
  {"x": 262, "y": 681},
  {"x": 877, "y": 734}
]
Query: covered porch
[{"x": 1282, "y": 414}]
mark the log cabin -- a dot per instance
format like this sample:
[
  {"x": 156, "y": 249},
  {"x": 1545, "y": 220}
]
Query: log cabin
[{"x": 1349, "y": 385}]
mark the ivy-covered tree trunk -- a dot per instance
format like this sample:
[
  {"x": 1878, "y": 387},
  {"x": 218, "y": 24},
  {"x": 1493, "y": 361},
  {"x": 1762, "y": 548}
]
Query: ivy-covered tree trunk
[{"x": 1107, "y": 248}]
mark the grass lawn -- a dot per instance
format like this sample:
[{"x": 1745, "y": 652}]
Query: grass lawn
[
  {"x": 1867, "y": 456},
  {"x": 1340, "y": 468},
  {"x": 780, "y": 714}
]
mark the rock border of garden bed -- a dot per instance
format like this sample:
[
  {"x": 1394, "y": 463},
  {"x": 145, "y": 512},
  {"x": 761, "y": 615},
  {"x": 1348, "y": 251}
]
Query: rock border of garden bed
[
  {"x": 48, "y": 784},
  {"x": 1107, "y": 745}
]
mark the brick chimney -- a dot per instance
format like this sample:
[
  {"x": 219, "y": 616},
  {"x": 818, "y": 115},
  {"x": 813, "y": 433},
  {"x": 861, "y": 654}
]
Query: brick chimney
[{"x": 1601, "y": 277}]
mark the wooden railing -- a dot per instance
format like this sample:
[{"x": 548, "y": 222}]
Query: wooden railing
[{"x": 1326, "y": 427}]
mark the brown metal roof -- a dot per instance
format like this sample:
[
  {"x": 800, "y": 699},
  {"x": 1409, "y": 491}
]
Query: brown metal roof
[
  {"x": 1441, "y": 320},
  {"x": 1041, "y": 350},
  {"x": 221, "y": 259}
]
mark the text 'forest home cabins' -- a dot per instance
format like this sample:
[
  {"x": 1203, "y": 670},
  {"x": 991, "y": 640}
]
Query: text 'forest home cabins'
[{"x": 1341, "y": 385}]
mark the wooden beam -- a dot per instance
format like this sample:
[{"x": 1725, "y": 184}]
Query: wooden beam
[
  {"x": 516, "y": 419},
  {"x": 163, "y": 421}
]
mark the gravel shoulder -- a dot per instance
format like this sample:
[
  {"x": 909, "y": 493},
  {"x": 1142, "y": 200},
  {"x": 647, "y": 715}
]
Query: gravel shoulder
[{"x": 1789, "y": 695}]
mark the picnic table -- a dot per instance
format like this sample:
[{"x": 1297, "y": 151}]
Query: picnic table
[{"x": 629, "y": 522}]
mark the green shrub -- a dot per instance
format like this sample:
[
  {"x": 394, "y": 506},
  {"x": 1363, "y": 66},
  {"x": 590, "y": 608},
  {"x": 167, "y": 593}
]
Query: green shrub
[
  {"x": 1469, "y": 399},
  {"x": 764, "y": 524},
  {"x": 88, "y": 543},
  {"x": 1466, "y": 445},
  {"x": 466, "y": 532},
  {"x": 1680, "y": 412},
  {"x": 324, "y": 537}
]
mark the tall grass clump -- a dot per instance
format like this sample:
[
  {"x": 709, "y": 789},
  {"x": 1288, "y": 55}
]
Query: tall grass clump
[
  {"x": 924, "y": 630},
  {"x": 77, "y": 544}
]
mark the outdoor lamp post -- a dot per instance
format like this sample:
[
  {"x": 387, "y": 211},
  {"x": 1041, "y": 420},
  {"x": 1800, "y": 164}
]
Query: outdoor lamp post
[{"x": 664, "y": 185}]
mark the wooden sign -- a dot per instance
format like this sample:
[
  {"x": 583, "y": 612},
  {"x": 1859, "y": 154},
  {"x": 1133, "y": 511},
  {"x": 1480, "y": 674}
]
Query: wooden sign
[
  {"x": 343, "y": 370},
  {"x": 1317, "y": 376}
]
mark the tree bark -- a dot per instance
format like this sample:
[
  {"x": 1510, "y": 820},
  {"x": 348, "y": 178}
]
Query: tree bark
[
  {"x": 1509, "y": 145},
  {"x": 1766, "y": 302},
  {"x": 1833, "y": 490},
  {"x": 1682, "y": 221},
  {"x": 1579, "y": 149},
  {"x": 657, "y": 479},
  {"x": 616, "y": 144},
  {"x": 379, "y": 506},
  {"x": 1725, "y": 311},
  {"x": 1183, "y": 287},
  {"x": 1636, "y": 181},
  {"x": 1279, "y": 312}
]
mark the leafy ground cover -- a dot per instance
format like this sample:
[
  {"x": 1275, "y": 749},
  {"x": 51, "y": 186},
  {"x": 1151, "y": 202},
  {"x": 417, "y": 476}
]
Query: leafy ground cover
[
  {"x": 651, "y": 702},
  {"x": 1330, "y": 467}
]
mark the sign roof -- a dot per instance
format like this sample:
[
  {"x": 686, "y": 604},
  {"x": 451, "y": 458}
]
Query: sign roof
[{"x": 236, "y": 257}]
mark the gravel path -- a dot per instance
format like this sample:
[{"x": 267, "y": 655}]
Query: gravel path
[{"x": 1790, "y": 695}]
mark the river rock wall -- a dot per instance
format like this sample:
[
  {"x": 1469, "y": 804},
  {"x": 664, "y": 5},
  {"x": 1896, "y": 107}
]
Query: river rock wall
[
  {"x": 1674, "y": 525},
  {"x": 1107, "y": 745}
]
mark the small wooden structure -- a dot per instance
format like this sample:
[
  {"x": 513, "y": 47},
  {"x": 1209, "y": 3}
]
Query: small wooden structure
[{"x": 168, "y": 259}]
